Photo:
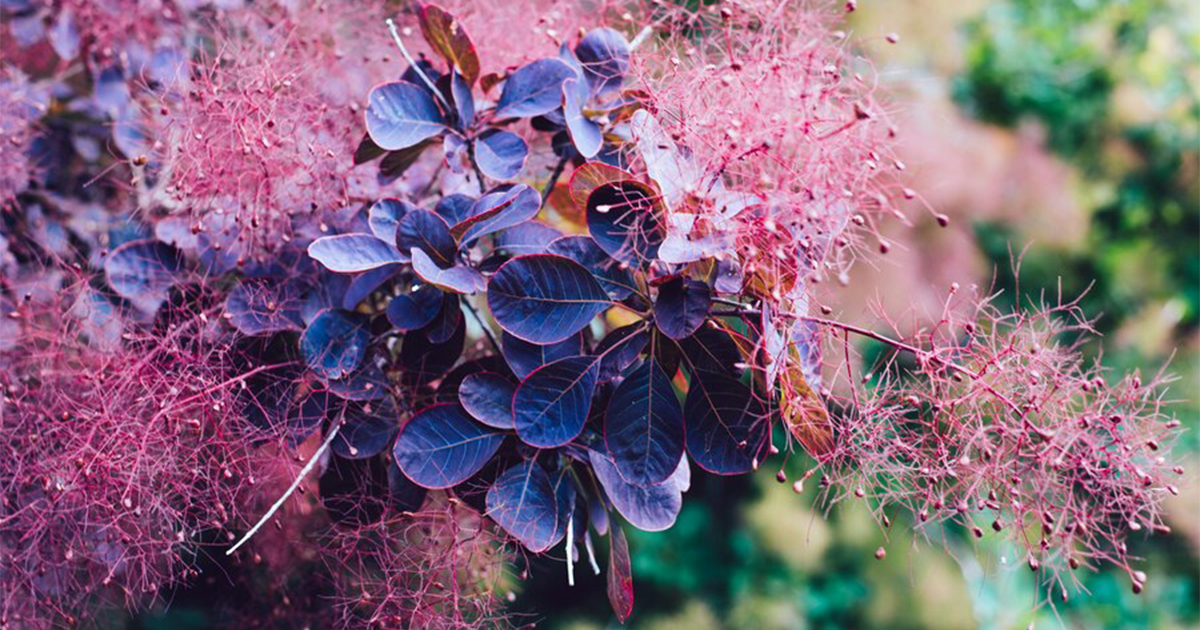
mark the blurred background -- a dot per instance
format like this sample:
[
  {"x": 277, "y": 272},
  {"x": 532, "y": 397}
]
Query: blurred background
[{"x": 1068, "y": 126}]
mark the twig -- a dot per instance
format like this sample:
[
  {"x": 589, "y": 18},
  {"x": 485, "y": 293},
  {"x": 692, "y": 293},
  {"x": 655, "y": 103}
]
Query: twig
[
  {"x": 486, "y": 330},
  {"x": 391, "y": 24},
  {"x": 295, "y": 484},
  {"x": 558, "y": 169}
]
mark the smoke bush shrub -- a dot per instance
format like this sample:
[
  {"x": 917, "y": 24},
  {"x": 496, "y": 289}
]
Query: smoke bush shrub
[{"x": 510, "y": 298}]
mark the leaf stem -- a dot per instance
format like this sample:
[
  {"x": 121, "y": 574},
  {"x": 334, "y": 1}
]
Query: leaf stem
[{"x": 391, "y": 24}]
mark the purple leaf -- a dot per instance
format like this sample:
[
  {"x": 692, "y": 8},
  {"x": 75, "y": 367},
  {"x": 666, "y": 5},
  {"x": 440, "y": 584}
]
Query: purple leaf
[
  {"x": 620, "y": 575},
  {"x": 500, "y": 209},
  {"x": 488, "y": 397},
  {"x": 525, "y": 357},
  {"x": 427, "y": 231},
  {"x": 352, "y": 253},
  {"x": 369, "y": 428},
  {"x": 522, "y": 501},
  {"x": 384, "y": 215},
  {"x": 643, "y": 426},
  {"x": 533, "y": 89},
  {"x": 604, "y": 54},
  {"x": 530, "y": 237},
  {"x": 457, "y": 279},
  {"x": 585, "y": 134},
  {"x": 728, "y": 427},
  {"x": 615, "y": 277},
  {"x": 626, "y": 220},
  {"x": 441, "y": 447},
  {"x": 400, "y": 115},
  {"x": 652, "y": 509},
  {"x": 415, "y": 309},
  {"x": 366, "y": 283},
  {"x": 143, "y": 272},
  {"x": 335, "y": 343},
  {"x": 682, "y": 306},
  {"x": 543, "y": 298},
  {"x": 500, "y": 154},
  {"x": 551, "y": 405}
]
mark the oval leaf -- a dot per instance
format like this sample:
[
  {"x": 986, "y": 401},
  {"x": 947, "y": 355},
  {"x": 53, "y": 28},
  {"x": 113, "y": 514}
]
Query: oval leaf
[
  {"x": 615, "y": 277},
  {"x": 369, "y": 429},
  {"x": 384, "y": 215},
  {"x": 442, "y": 446},
  {"x": 525, "y": 357},
  {"x": 335, "y": 343},
  {"x": 457, "y": 279},
  {"x": 585, "y": 134},
  {"x": 522, "y": 501},
  {"x": 400, "y": 115},
  {"x": 626, "y": 219},
  {"x": 448, "y": 38},
  {"x": 643, "y": 427},
  {"x": 652, "y": 509},
  {"x": 530, "y": 237},
  {"x": 488, "y": 397},
  {"x": 502, "y": 208},
  {"x": 533, "y": 89},
  {"x": 415, "y": 309},
  {"x": 604, "y": 54},
  {"x": 728, "y": 428},
  {"x": 551, "y": 405},
  {"x": 543, "y": 298},
  {"x": 143, "y": 272},
  {"x": 427, "y": 231},
  {"x": 682, "y": 306},
  {"x": 352, "y": 253},
  {"x": 500, "y": 154}
]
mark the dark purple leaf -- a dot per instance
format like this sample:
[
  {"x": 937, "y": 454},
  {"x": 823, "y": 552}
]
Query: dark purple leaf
[
  {"x": 352, "y": 253},
  {"x": 500, "y": 154},
  {"x": 368, "y": 430},
  {"x": 620, "y": 575},
  {"x": 335, "y": 343},
  {"x": 525, "y": 357},
  {"x": 604, "y": 54},
  {"x": 457, "y": 279},
  {"x": 425, "y": 230},
  {"x": 522, "y": 502},
  {"x": 543, "y": 298},
  {"x": 533, "y": 89},
  {"x": 551, "y": 404},
  {"x": 585, "y": 134},
  {"x": 449, "y": 316},
  {"x": 256, "y": 307},
  {"x": 626, "y": 219},
  {"x": 367, "y": 151},
  {"x": 442, "y": 446},
  {"x": 615, "y": 277},
  {"x": 404, "y": 495},
  {"x": 500, "y": 209},
  {"x": 643, "y": 427},
  {"x": 415, "y": 309},
  {"x": 620, "y": 349},
  {"x": 384, "y": 215},
  {"x": 400, "y": 115},
  {"x": 396, "y": 163},
  {"x": 727, "y": 425},
  {"x": 488, "y": 397},
  {"x": 464, "y": 103},
  {"x": 423, "y": 360},
  {"x": 143, "y": 272},
  {"x": 366, "y": 283},
  {"x": 412, "y": 75},
  {"x": 530, "y": 237},
  {"x": 455, "y": 208},
  {"x": 682, "y": 306},
  {"x": 651, "y": 509}
]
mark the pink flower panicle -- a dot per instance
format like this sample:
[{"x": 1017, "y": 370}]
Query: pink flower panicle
[{"x": 1001, "y": 426}]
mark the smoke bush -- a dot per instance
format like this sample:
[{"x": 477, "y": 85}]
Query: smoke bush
[{"x": 362, "y": 314}]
